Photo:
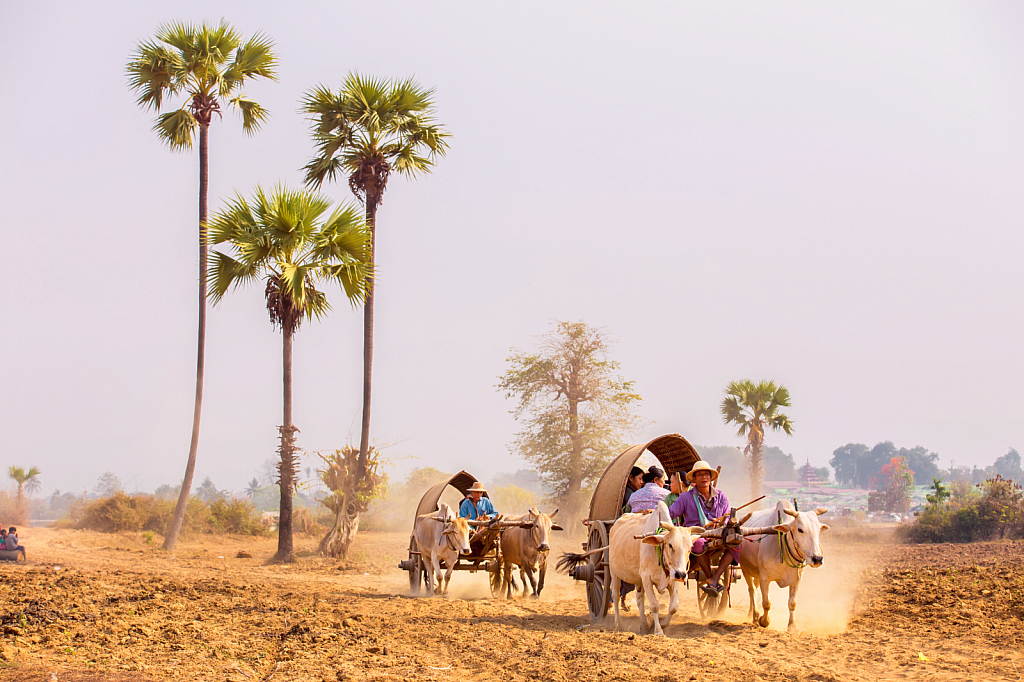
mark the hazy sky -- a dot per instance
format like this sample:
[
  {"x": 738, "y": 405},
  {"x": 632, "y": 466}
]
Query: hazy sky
[{"x": 827, "y": 195}]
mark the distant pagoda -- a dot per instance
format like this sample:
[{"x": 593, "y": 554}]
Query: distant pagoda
[{"x": 808, "y": 476}]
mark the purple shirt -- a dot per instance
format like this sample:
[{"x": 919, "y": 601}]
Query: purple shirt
[
  {"x": 686, "y": 507},
  {"x": 647, "y": 497}
]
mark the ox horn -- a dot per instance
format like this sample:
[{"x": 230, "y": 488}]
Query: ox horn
[
  {"x": 666, "y": 525},
  {"x": 792, "y": 513},
  {"x": 820, "y": 510},
  {"x": 552, "y": 514}
]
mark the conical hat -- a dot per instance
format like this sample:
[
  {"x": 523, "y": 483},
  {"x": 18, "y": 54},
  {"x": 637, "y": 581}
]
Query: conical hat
[{"x": 702, "y": 466}]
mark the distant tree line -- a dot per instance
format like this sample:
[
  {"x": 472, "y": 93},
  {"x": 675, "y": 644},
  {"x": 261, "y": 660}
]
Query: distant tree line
[{"x": 858, "y": 466}]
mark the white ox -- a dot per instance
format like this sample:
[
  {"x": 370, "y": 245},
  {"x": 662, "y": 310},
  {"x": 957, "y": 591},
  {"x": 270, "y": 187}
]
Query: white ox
[
  {"x": 527, "y": 546},
  {"x": 651, "y": 553},
  {"x": 440, "y": 537},
  {"x": 780, "y": 557}
]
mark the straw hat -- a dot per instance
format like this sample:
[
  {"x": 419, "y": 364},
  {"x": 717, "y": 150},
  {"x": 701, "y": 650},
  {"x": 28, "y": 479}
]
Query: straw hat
[
  {"x": 477, "y": 487},
  {"x": 702, "y": 466}
]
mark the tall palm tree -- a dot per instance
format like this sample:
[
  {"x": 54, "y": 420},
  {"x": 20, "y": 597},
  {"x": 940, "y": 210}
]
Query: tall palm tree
[
  {"x": 365, "y": 131},
  {"x": 207, "y": 65},
  {"x": 26, "y": 480},
  {"x": 755, "y": 408},
  {"x": 284, "y": 240}
]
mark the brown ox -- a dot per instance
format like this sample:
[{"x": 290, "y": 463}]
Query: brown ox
[
  {"x": 440, "y": 537},
  {"x": 527, "y": 547}
]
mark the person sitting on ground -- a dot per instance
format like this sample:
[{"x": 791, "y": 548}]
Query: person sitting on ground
[
  {"x": 476, "y": 506},
  {"x": 705, "y": 505},
  {"x": 633, "y": 483},
  {"x": 11, "y": 541},
  {"x": 653, "y": 492}
]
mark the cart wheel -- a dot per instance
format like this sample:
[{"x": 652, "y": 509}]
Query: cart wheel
[
  {"x": 598, "y": 589},
  {"x": 496, "y": 575},
  {"x": 713, "y": 607},
  {"x": 415, "y": 575}
]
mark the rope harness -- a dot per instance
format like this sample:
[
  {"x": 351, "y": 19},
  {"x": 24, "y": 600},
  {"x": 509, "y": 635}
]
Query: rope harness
[
  {"x": 787, "y": 555},
  {"x": 661, "y": 558}
]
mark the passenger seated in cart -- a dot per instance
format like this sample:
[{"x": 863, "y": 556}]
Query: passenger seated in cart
[
  {"x": 476, "y": 506},
  {"x": 633, "y": 483},
  {"x": 705, "y": 505},
  {"x": 653, "y": 491}
]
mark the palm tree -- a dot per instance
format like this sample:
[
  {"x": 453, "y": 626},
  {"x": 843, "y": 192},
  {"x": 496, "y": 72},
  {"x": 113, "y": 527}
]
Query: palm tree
[
  {"x": 26, "y": 480},
  {"x": 366, "y": 130},
  {"x": 755, "y": 407},
  {"x": 284, "y": 240},
  {"x": 207, "y": 65}
]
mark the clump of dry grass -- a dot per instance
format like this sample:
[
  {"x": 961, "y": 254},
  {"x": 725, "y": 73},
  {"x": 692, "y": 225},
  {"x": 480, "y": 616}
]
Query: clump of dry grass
[{"x": 134, "y": 513}]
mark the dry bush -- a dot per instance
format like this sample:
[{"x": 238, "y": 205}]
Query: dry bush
[
  {"x": 305, "y": 521},
  {"x": 134, "y": 513},
  {"x": 994, "y": 513},
  {"x": 8, "y": 507}
]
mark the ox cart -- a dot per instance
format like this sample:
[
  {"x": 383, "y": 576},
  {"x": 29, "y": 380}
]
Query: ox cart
[
  {"x": 484, "y": 541},
  {"x": 674, "y": 453}
]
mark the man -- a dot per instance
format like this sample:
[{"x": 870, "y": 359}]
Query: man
[
  {"x": 476, "y": 506},
  {"x": 704, "y": 505}
]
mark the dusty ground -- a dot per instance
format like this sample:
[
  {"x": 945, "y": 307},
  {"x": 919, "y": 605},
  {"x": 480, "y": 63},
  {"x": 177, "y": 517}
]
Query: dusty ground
[{"x": 98, "y": 607}]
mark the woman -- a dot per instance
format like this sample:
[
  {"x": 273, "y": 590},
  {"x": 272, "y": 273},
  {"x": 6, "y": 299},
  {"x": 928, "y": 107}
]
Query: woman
[
  {"x": 633, "y": 483},
  {"x": 651, "y": 494},
  {"x": 677, "y": 486}
]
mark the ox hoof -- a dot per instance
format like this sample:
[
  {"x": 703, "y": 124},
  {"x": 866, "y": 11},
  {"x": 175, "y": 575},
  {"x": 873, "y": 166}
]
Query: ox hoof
[{"x": 763, "y": 621}]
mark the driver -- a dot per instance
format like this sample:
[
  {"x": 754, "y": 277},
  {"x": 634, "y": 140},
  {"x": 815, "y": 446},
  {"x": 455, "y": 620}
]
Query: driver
[
  {"x": 476, "y": 506},
  {"x": 705, "y": 505}
]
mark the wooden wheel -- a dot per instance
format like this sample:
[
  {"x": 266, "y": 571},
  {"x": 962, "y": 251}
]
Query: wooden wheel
[
  {"x": 415, "y": 575},
  {"x": 598, "y": 589}
]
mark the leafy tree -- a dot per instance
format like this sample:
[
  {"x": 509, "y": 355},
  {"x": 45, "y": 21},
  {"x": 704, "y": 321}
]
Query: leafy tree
[
  {"x": 365, "y": 131},
  {"x": 574, "y": 409},
  {"x": 939, "y": 495},
  {"x": 511, "y": 499},
  {"x": 207, "y": 491},
  {"x": 525, "y": 479},
  {"x": 206, "y": 65},
  {"x": 22, "y": 478},
  {"x": 755, "y": 408},
  {"x": 1008, "y": 466},
  {"x": 844, "y": 463},
  {"x": 893, "y": 494},
  {"x": 778, "y": 465},
  {"x": 108, "y": 484},
  {"x": 284, "y": 239},
  {"x": 167, "y": 491}
]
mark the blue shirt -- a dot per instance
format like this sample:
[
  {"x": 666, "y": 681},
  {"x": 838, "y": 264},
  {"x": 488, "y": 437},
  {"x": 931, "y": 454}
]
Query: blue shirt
[{"x": 468, "y": 511}]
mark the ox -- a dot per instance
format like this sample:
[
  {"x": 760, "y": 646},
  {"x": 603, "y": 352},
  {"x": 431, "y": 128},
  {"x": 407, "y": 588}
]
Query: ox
[
  {"x": 526, "y": 546},
  {"x": 648, "y": 551},
  {"x": 440, "y": 537},
  {"x": 780, "y": 558}
]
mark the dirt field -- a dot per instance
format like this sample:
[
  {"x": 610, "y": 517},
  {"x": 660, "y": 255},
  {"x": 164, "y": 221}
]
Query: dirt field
[{"x": 98, "y": 607}]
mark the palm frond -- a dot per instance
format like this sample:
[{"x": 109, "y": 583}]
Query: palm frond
[
  {"x": 153, "y": 72},
  {"x": 253, "y": 113},
  {"x": 176, "y": 128}
]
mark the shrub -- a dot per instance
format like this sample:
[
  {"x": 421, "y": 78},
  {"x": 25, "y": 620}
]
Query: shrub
[
  {"x": 134, "y": 513},
  {"x": 997, "y": 512}
]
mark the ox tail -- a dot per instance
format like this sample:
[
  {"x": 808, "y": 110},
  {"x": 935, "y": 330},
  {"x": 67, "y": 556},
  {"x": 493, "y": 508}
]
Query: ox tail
[{"x": 569, "y": 561}]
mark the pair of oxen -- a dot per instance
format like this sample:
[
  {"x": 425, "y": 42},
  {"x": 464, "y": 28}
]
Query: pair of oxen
[
  {"x": 525, "y": 542},
  {"x": 648, "y": 551}
]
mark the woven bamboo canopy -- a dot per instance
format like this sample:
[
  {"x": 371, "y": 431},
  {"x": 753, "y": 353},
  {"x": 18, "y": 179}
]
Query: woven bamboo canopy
[
  {"x": 461, "y": 481},
  {"x": 672, "y": 451}
]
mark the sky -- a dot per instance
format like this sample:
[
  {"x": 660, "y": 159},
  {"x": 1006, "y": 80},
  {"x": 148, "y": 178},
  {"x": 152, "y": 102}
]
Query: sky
[{"x": 825, "y": 195}]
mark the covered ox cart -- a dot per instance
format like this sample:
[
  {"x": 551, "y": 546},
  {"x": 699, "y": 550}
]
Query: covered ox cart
[
  {"x": 674, "y": 453},
  {"x": 485, "y": 548}
]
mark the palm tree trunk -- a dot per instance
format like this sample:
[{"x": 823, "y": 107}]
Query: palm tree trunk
[
  {"x": 190, "y": 467},
  {"x": 364, "y": 434},
  {"x": 756, "y": 470},
  {"x": 285, "y": 541}
]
